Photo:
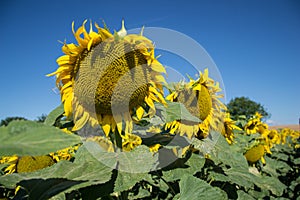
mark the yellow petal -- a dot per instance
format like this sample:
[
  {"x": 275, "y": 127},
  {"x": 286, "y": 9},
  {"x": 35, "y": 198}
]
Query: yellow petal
[
  {"x": 106, "y": 122},
  {"x": 68, "y": 106},
  {"x": 156, "y": 66},
  {"x": 140, "y": 112},
  {"x": 149, "y": 102},
  {"x": 197, "y": 87},
  {"x": 78, "y": 111},
  {"x": 81, "y": 122},
  {"x": 66, "y": 86},
  {"x": 90, "y": 44},
  {"x": 160, "y": 78},
  {"x": 65, "y": 59}
]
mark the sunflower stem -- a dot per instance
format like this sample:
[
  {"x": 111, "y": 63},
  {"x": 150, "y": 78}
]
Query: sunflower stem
[{"x": 118, "y": 140}]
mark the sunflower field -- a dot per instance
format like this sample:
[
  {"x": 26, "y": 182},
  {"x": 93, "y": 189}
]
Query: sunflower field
[{"x": 123, "y": 132}]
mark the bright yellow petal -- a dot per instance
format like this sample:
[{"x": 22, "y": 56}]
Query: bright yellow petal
[
  {"x": 81, "y": 122},
  {"x": 156, "y": 66},
  {"x": 106, "y": 121},
  {"x": 140, "y": 112},
  {"x": 68, "y": 106}
]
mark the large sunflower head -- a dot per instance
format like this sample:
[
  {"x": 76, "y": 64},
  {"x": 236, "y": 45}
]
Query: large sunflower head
[
  {"x": 202, "y": 99},
  {"x": 107, "y": 79}
]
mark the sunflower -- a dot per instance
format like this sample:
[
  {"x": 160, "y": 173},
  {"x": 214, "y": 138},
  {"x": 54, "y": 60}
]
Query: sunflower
[
  {"x": 201, "y": 99},
  {"x": 20, "y": 164},
  {"x": 11, "y": 161},
  {"x": 64, "y": 154},
  {"x": 255, "y": 125},
  {"x": 255, "y": 154},
  {"x": 227, "y": 130},
  {"x": 109, "y": 79}
]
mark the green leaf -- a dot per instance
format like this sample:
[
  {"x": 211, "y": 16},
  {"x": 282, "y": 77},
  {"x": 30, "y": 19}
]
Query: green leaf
[
  {"x": 258, "y": 194},
  {"x": 243, "y": 195},
  {"x": 175, "y": 111},
  {"x": 194, "y": 188},
  {"x": 54, "y": 115},
  {"x": 270, "y": 183},
  {"x": 193, "y": 165},
  {"x": 64, "y": 176},
  {"x": 33, "y": 138},
  {"x": 296, "y": 161},
  {"x": 240, "y": 177},
  {"x": 60, "y": 196},
  {"x": 276, "y": 167},
  {"x": 221, "y": 152},
  {"x": 139, "y": 160},
  {"x": 126, "y": 181},
  {"x": 218, "y": 177},
  {"x": 44, "y": 189},
  {"x": 141, "y": 194}
]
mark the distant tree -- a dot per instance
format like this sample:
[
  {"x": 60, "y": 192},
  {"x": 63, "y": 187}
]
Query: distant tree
[
  {"x": 41, "y": 118},
  {"x": 244, "y": 106},
  {"x": 7, "y": 120}
]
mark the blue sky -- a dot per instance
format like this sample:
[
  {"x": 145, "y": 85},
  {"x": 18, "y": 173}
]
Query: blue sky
[{"x": 255, "y": 44}]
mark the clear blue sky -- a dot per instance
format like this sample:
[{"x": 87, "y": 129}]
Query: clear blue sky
[{"x": 255, "y": 44}]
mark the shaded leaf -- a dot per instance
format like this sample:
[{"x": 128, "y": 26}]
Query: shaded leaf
[
  {"x": 44, "y": 189},
  {"x": 141, "y": 194}
]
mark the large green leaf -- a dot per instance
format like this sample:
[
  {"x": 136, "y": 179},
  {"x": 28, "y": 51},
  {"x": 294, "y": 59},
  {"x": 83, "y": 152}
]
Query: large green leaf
[
  {"x": 54, "y": 115},
  {"x": 240, "y": 177},
  {"x": 33, "y": 138},
  {"x": 126, "y": 181},
  {"x": 64, "y": 176},
  {"x": 44, "y": 189},
  {"x": 175, "y": 111},
  {"x": 276, "y": 167},
  {"x": 194, "y": 188},
  {"x": 221, "y": 152},
  {"x": 193, "y": 165},
  {"x": 139, "y": 160},
  {"x": 270, "y": 183}
]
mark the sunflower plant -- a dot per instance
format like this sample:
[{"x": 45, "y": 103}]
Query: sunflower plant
[{"x": 118, "y": 135}]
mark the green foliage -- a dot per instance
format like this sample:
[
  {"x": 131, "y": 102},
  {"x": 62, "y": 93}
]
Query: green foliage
[
  {"x": 33, "y": 138},
  {"x": 7, "y": 120},
  {"x": 239, "y": 106},
  {"x": 200, "y": 189},
  {"x": 175, "y": 111},
  {"x": 54, "y": 115},
  {"x": 209, "y": 169}
]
